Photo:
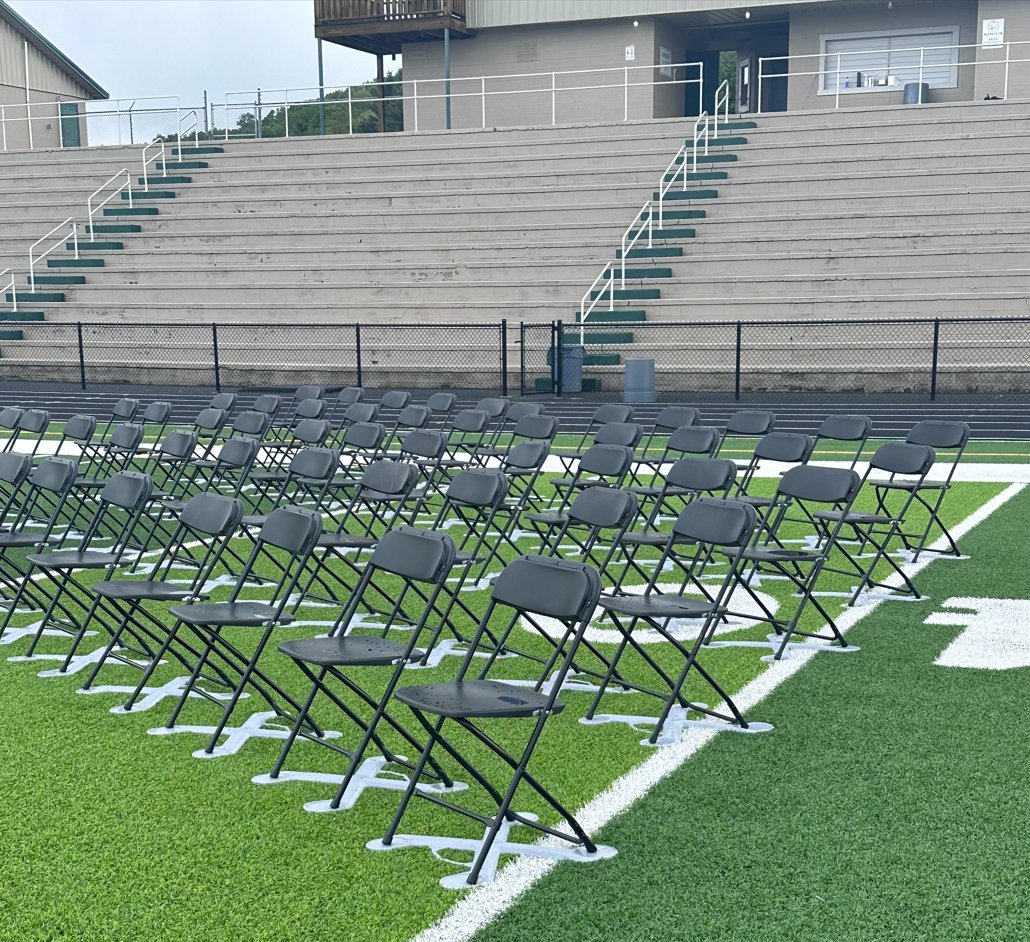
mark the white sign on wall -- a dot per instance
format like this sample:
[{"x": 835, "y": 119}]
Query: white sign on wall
[
  {"x": 665, "y": 61},
  {"x": 993, "y": 33},
  {"x": 631, "y": 53}
]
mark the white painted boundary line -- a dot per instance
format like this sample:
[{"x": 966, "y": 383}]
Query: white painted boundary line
[{"x": 483, "y": 904}]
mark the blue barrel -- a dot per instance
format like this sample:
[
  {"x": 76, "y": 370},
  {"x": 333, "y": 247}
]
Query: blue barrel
[{"x": 639, "y": 384}]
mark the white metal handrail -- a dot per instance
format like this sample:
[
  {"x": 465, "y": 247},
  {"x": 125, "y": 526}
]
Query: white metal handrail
[
  {"x": 677, "y": 167},
  {"x": 644, "y": 216},
  {"x": 159, "y": 154},
  {"x": 12, "y": 284},
  {"x": 722, "y": 97},
  {"x": 91, "y": 209},
  {"x": 73, "y": 231},
  {"x": 192, "y": 124},
  {"x": 608, "y": 274},
  {"x": 700, "y": 132}
]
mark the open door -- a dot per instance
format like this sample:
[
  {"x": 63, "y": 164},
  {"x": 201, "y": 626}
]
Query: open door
[
  {"x": 745, "y": 76},
  {"x": 70, "y": 134}
]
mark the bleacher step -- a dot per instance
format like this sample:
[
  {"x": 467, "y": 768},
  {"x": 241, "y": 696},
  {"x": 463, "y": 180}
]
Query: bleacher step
[
  {"x": 687, "y": 195},
  {"x": 163, "y": 181},
  {"x": 59, "y": 279},
  {"x": 610, "y": 337},
  {"x": 12, "y": 335},
  {"x": 628, "y": 294},
  {"x": 647, "y": 272},
  {"x": 150, "y": 195},
  {"x": 655, "y": 251},
  {"x": 618, "y": 316},
  {"x": 186, "y": 165},
  {"x": 130, "y": 210},
  {"x": 97, "y": 246},
  {"x": 22, "y": 316},
  {"x": 75, "y": 263},
  {"x": 197, "y": 151},
  {"x": 601, "y": 359},
  {"x": 735, "y": 141},
  {"x": 115, "y": 227},
  {"x": 38, "y": 296},
  {"x": 669, "y": 233}
]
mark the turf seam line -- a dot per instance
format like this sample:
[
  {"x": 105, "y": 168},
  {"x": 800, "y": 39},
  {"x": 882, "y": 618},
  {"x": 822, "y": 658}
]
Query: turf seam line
[{"x": 483, "y": 904}]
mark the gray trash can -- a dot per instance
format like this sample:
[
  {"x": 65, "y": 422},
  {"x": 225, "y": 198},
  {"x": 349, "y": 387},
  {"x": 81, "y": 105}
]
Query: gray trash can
[
  {"x": 639, "y": 385},
  {"x": 915, "y": 93},
  {"x": 571, "y": 368}
]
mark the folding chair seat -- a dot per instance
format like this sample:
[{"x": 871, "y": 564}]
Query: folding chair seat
[
  {"x": 818, "y": 492},
  {"x": 9, "y": 419},
  {"x": 851, "y": 431},
  {"x": 529, "y": 588},
  {"x": 32, "y": 426},
  {"x": 748, "y": 423},
  {"x": 945, "y": 438},
  {"x": 205, "y": 525},
  {"x": 440, "y": 406},
  {"x": 289, "y": 532},
  {"x": 124, "y": 498},
  {"x": 374, "y": 505},
  {"x": 780, "y": 447},
  {"x": 536, "y": 427},
  {"x": 903, "y": 463},
  {"x": 410, "y": 567},
  {"x": 703, "y": 527},
  {"x": 409, "y": 419},
  {"x": 79, "y": 432},
  {"x": 34, "y": 527}
]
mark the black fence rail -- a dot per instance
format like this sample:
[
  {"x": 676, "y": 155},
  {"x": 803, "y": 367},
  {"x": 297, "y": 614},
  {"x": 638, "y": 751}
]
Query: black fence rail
[{"x": 921, "y": 359}]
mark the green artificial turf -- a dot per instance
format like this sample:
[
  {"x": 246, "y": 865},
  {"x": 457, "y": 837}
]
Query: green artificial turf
[
  {"x": 110, "y": 833},
  {"x": 889, "y": 803}
]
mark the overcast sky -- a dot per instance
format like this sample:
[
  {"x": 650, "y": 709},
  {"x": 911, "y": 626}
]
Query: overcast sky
[{"x": 137, "y": 48}]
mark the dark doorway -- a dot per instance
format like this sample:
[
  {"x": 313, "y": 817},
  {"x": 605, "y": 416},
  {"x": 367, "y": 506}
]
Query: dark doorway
[
  {"x": 692, "y": 106},
  {"x": 70, "y": 134}
]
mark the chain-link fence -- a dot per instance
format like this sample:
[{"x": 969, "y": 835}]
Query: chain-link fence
[{"x": 825, "y": 360}]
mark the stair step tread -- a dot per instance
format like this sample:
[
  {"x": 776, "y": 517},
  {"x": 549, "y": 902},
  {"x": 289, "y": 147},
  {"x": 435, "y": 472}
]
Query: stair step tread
[
  {"x": 36, "y": 296},
  {"x": 22, "y": 316},
  {"x": 163, "y": 181},
  {"x": 75, "y": 263},
  {"x": 130, "y": 210},
  {"x": 151, "y": 195},
  {"x": 60, "y": 279},
  {"x": 656, "y": 251},
  {"x": 98, "y": 246},
  {"x": 617, "y": 316},
  {"x": 186, "y": 165}
]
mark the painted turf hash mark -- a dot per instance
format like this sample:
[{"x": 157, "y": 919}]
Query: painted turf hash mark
[
  {"x": 996, "y": 633},
  {"x": 485, "y": 903}
]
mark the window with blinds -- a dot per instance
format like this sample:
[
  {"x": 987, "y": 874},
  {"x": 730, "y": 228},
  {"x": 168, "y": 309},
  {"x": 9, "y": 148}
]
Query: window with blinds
[{"x": 875, "y": 56}]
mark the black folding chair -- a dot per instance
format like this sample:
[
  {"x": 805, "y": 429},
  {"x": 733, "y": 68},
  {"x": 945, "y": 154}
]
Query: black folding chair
[
  {"x": 32, "y": 424},
  {"x": 666, "y": 422},
  {"x": 155, "y": 420},
  {"x": 603, "y": 414},
  {"x": 269, "y": 404},
  {"x": 748, "y": 423},
  {"x": 850, "y": 431},
  {"x": 528, "y": 588},
  {"x": 704, "y": 526},
  {"x": 945, "y": 438},
  {"x": 293, "y": 531},
  {"x": 523, "y": 466},
  {"x": 440, "y": 406},
  {"x": 359, "y": 447},
  {"x": 123, "y": 412},
  {"x": 10, "y": 416},
  {"x": 409, "y": 419},
  {"x": 124, "y": 498},
  {"x": 497, "y": 408},
  {"x": 465, "y": 434},
  {"x": 79, "y": 432},
  {"x": 791, "y": 448},
  {"x": 223, "y": 400},
  {"x": 410, "y": 565},
  {"x": 15, "y": 468},
  {"x": 621, "y": 434},
  {"x": 530, "y": 428}
]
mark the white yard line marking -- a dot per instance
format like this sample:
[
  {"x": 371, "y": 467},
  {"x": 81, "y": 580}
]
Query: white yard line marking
[{"x": 483, "y": 904}]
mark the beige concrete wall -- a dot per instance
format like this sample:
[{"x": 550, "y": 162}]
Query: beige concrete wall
[
  {"x": 990, "y": 71},
  {"x": 669, "y": 94},
  {"x": 808, "y": 26},
  {"x": 525, "y": 98},
  {"x": 43, "y": 110}
]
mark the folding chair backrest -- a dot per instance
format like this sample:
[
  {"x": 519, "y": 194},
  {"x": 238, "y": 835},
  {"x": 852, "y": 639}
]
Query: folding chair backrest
[
  {"x": 55, "y": 475},
  {"x": 694, "y": 440},
  {"x": 939, "y": 435},
  {"x": 424, "y": 443},
  {"x": 15, "y": 468},
  {"x": 364, "y": 436},
  {"x": 308, "y": 392},
  {"x": 548, "y": 586},
  {"x": 674, "y": 417},
  {"x": 311, "y": 431},
  {"x": 619, "y": 433},
  {"x": 309, "y": 409},
  {"x": 413, "y": 417},
  {"x": 609, "y": 461},
  {"x": 785, "y": 447},
  {"x": 268, "y": 403},
  {"x": 421, "y": 555},
  {"x": 537, "y": 426},
  {"x": 604, "y": 507},
  {"x": 361, "y": 412},
  {"x": 394, "y": 399},
  {"x": 253, "y": 423},
  {"x": 210, "y": 420},
  {"x": 128, "y": 490},
  {"x": 34, "y": 421},
  {"x": 470, "y": 420},
  {"x": 478, "y": 488},
  {"x": 716, "y": 522},
  {"x": 494, "y": 407},
  {"x": 519, "y": 410},
  {"x": 704, "y": 475},
  {"x": 212, "y": 514},
  {"x": 441, "y": 403},
  {"x": 178, "y": 444},
  {"x": 394, "y": 478},
  {"x": 157, "y": 413},
  {"x": 527, "y": 456},
  {"x": 237, "y": 453},
  {"x": 319, "y": 464},
  {"x": 611, "y": 412},
  {"x": 750, "y": 422},
  {"x": 126, "y": 437},
  {"x": 9, "y": 418},
  {"x": 225, "y": 400},
  {"x": 845, "y": 428},
  {"x": 903, "y": 458},
  {"x": 80, "y": 428},
  {"x": 820, "y": 485},
  {"x": 124, "y": 410},
  {"x": 292, "y": 529},
  {"x": 349, "y": 395}
]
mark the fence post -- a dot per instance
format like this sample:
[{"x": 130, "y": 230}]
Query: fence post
[
  {"x": 504, "y": 356},
  {"x": 933, "y": 360},
  {"x": 736, "y": 374},
  {"x": 559, "y": 341},
  {"x": 214, "y": 349},
  {"x": 357, "y": 354},
  {"x": 522, "y": 358},
  {"x": 82, "y": 357}
]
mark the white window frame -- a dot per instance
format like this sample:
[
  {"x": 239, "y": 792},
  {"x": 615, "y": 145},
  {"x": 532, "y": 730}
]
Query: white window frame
[{"x": 887, "y": 34}]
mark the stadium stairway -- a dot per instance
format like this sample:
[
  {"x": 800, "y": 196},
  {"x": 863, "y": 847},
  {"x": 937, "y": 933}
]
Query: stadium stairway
[{"x": 882, "y": 213}]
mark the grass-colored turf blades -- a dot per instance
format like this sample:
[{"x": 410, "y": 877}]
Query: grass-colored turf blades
[
  {"x": 889, "y": 802},
  {"x": 109, "y": 830}
]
